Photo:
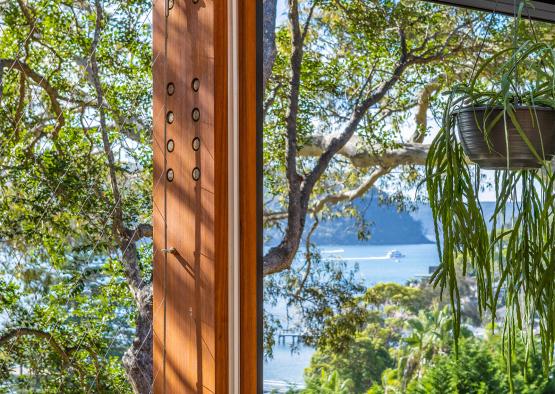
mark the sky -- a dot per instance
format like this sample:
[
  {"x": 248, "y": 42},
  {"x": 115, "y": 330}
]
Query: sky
[{"x": 281, "y": 15}]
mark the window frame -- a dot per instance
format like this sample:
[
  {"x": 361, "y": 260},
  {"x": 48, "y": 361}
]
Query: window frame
[{"x": 540, "y": 10}]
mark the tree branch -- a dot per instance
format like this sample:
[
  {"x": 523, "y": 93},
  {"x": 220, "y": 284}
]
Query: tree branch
[
  {"x": 404, "y": 154},
  {"x": 339, "y": 141},
  {"x": 41, "y": 81},
  {"x": 411, "y": 153},
  {"x": 421, "y": 117},
  {"x": 126, "y": 242},
  {"x": 281, "y": 256},
  {"x": 308, "y": 256},
  {"x": 25, "y": 331},
  {"x": 268, "y": 39},
  {"x": 296, "y": 214},
  {"x": 350, "y": 195}
]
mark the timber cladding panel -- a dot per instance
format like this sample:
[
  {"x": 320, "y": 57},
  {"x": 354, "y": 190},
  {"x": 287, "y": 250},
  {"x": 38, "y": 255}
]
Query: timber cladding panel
[{"x": 190, "y": 204}]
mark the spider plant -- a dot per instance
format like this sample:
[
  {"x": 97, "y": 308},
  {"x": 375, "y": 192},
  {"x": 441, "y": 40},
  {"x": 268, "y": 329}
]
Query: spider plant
[
  {"x": 511, "y": 253},
  {"x": 512, "y": 122}
]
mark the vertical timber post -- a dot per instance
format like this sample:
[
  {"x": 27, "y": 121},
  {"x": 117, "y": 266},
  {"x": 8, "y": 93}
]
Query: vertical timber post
[
  {"x": 190, "y": 196},
  {"x": 250, "y": 189}
]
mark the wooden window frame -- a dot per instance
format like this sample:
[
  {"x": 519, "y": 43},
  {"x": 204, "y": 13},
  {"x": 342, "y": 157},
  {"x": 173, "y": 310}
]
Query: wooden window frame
[
  {"x": 540, "y": 10},
  {"x": 250, "y": 192}
]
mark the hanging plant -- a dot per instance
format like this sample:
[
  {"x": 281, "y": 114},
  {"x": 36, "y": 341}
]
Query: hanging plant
[{"x": 507, "y": 125}]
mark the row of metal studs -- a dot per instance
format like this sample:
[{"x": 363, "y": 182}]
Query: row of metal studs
[{"x": 195, "y": 114}]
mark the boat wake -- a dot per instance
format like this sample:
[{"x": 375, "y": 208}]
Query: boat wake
[
  {"x": 333, "y": 251},
  {"x": 391, "y": 255},
  {"x": 363, "y": 258}
]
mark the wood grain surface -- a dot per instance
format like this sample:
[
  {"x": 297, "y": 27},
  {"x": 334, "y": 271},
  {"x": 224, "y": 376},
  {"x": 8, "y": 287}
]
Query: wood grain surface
[
  {"x": 190, "y": 285},
  {"x": 249, "y": 203}
]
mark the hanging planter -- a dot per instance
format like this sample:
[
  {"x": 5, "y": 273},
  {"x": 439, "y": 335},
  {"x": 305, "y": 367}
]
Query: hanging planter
[
  {"x": 493, "y": 140},
  {"x": 502, "y": 118}
]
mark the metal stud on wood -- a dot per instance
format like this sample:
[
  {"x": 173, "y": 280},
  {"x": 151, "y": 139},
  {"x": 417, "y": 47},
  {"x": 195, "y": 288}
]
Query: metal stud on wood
[
  {"x": 196, "y": 143},
  {"x": 170, "y": 145},
  {"x": 169, "y": 175},
  {"x": 170, "y": 117},
  {"x": 196, "y": 114},
  {"x": 195, "y": 84},
  {"x": 196, "y": 173},
  {"x": 171, "y": 89}
]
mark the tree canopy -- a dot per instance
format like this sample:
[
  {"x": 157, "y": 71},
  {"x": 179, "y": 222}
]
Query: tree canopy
[{"x": 75, "y": 201}]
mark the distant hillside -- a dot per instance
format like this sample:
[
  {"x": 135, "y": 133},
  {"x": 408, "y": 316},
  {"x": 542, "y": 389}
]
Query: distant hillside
[
  {"x": 388, "y": 226},
  {"x": 424, "y": 216}
]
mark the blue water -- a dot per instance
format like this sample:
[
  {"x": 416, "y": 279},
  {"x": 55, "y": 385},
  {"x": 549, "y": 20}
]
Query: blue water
[
  {"x": 375, "y": 268},
  {"x": 286, "y": 367}
]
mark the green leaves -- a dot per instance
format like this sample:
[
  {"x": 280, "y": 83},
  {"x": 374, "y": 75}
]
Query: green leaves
[
  {"x": 60, "y": 268},
  {"x": 402, "y": 351},
  {"x": 514, "y": 262},
  {"x": 329, "y": 384}
]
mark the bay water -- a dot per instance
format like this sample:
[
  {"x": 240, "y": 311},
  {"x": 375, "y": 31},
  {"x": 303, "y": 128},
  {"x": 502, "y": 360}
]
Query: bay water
[{"x": 285, "y": 369}]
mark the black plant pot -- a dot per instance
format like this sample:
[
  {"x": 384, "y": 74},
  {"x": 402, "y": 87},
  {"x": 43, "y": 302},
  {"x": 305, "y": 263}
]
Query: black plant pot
[{"x": 484, "y": 139}]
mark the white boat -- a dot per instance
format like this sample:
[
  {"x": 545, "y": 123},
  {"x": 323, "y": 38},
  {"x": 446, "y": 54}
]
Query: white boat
[{"x": 394, "y": 254}]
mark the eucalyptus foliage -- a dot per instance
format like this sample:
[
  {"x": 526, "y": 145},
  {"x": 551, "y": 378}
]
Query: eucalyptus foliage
[{"x": 64, "y": 292}]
